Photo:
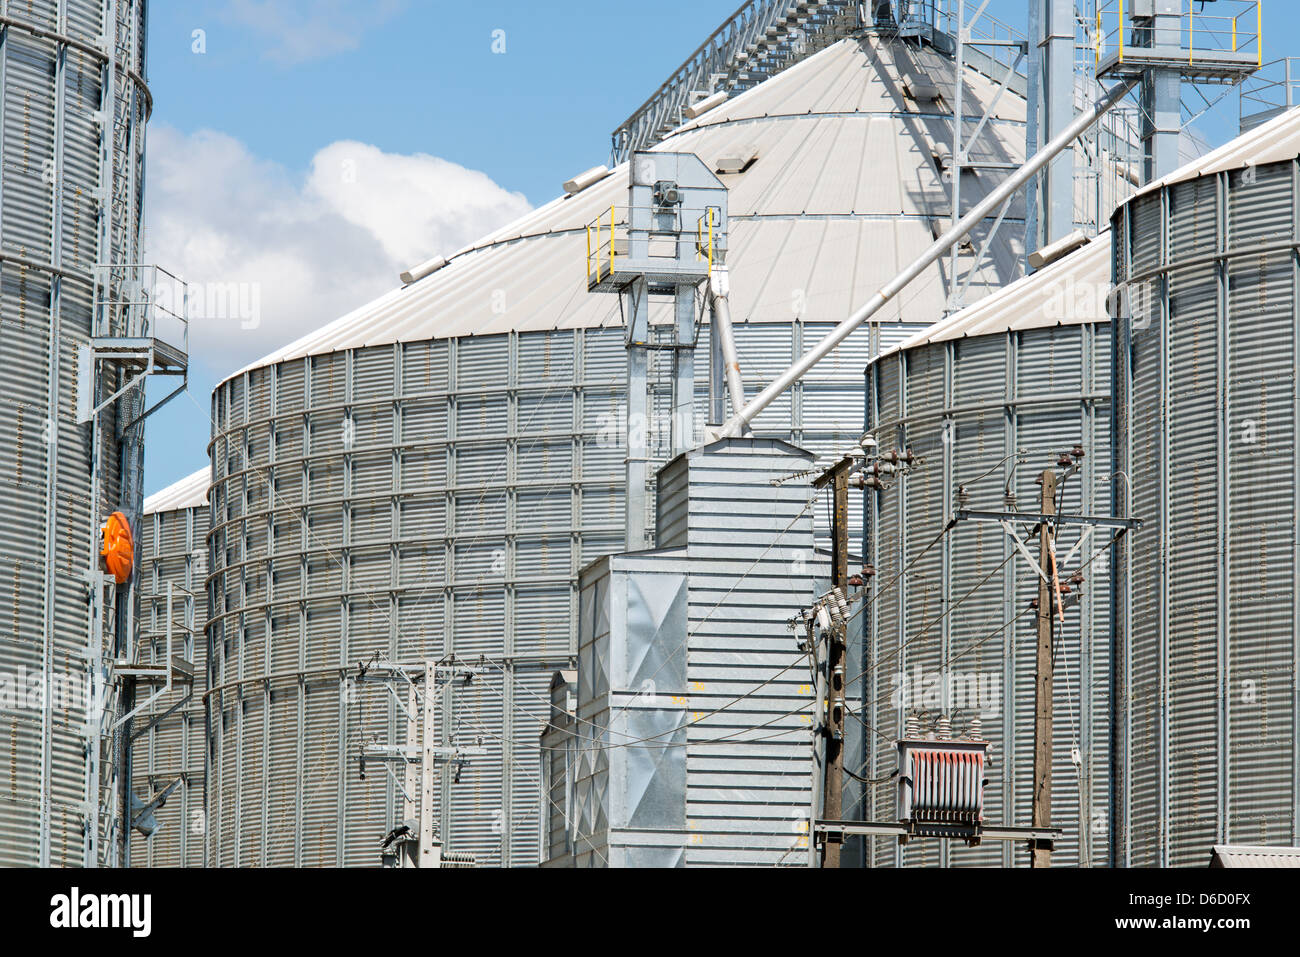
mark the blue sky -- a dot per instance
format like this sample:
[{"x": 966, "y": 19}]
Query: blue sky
[
  {"x": 265, "y": 113},
  {"x": 238, "y": 131}
]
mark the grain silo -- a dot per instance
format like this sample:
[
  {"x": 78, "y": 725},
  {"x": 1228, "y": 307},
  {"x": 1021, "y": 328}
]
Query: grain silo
[
  {"x": 169, "y": 755},
  {"x": 986, "y": 400},
  {"x": 427, "y": 476},
  {"x": 76, "y": 333},
  {"x": 1206, "y": 358}
]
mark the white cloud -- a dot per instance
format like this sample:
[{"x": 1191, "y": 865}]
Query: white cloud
[
  {"x": 272, "y": 256},
  {"x": 295, "y": 31},
  {"x": 414, "y": 204}
]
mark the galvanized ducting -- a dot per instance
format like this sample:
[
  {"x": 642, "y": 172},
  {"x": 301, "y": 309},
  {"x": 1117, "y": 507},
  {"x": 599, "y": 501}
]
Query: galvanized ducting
[
  {"x": 692, "y": 713},
  {"x": 986, "y": 400},
  {"x": 170, "y": 752},
  {"x": 71, "y": 178},
  {"x": 427, "y": 476},
  {"x": 1206, "y": 353}
]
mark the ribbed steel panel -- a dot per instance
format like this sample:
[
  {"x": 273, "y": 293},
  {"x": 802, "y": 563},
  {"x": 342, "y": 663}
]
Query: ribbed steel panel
[
  {"x": 51, "y": 199},
  {"x": 965, "y": 406},
  {"x": 500, "y": 418},
  {"x": 464, "y": 533},
  {"x": 685, "y": 657},
  {"x": 173, "y": 549},
  {"x": 1210, "y": 387}
]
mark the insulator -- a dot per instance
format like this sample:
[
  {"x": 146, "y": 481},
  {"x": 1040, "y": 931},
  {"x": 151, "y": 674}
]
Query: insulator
[
  {"x": 963, "y": 495},
  {"x": 868, "y": 571},
  {"x": 1078, "y": 452},
  {"x": 913, "y": 728},
  {"x": 943, "y": 728},
  {"x": 1009, "y": 499},
  {"x": 975, "y": 730}
]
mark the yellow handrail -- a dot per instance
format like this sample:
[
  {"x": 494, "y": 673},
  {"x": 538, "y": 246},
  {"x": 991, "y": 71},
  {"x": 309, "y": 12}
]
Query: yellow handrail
[
  {"x": 1121, "y": 31},
  {"x": 1259, "y": 33},
  {"x": 611, "y": 239}
]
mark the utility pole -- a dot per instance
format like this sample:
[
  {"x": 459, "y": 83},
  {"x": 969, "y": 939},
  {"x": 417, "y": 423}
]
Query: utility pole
[
  {"x": 1050, "y": 602},
  {"x": 415, "y": 840},
  {"x": 837, "y": 479},
  {"x": 1041, "y": 850}
]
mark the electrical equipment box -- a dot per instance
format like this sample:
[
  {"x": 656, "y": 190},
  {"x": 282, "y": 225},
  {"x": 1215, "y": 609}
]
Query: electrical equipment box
[{"x": 941, "y": 782}]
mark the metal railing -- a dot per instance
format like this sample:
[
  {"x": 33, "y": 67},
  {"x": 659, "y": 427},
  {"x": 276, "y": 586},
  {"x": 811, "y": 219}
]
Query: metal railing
[
  {"x": 759, "y": 40},
  {"x": 1275, "y": 88},
  {"x": 705, "y": 235},
  {"x": 997, "y": 40},
  {"x": 142, "y": 301},
  {"x": 607, "y": 240},
  {"x": 601, "y": 253},
  {"x": 1237, "y": 29}
]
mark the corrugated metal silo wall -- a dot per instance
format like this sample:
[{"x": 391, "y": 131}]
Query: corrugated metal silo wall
[
  {"x": 965, "y": 407},
  {"x": 173, "y": 549},
  {"x": 1207, "y": 355},
  {"x": 483, "y": 474},
  {"x": 51, "y": 83}
]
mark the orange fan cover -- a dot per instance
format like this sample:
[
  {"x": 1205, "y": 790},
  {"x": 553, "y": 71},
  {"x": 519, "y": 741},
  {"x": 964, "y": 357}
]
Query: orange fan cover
[{"x": 119, "y": 548}]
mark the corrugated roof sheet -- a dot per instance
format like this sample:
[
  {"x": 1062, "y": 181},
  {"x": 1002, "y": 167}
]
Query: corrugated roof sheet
[
  {"x": 189, "y": 492},
  {"x": 1070, "y": 291},
  {"x": 1273, "y": 142},
  {"x": 842, "y": 196},
  {"x": 1230, "y": 855}
]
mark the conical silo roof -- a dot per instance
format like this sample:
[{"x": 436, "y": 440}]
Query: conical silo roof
[{"x": 844, "y": 192}]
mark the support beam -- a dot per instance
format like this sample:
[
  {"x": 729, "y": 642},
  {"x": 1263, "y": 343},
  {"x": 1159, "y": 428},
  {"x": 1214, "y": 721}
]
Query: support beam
[
  {"x": 1051, "y": 107},
  {"x": 725, "y": 334},
  {"x": 636, "y": 428},
  {"x": 683, "y": 424}
]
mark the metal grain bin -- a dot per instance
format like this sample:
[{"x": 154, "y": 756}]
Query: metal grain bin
[
  {"x": 170, "y": 752},
  {"x": 1206, "y": 352},
  {"x": 987, "y": 400},
  {"x": 71, "y": 182},
  {"x": 428, "y": 475}
]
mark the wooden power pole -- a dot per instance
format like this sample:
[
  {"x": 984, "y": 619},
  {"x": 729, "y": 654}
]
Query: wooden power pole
[
  {"x": 837, "y": 478},
  {"x": 1041, "y": 850}
]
